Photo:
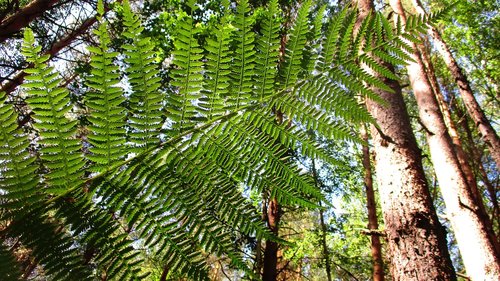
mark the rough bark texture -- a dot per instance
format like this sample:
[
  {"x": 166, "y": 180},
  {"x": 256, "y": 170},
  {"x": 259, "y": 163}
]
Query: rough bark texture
[
  {"x": 475, "y": 242},
  {"x": 455, "y": 138},
  {"x": 22, "y": 18},
  {"x": 376, "y": 246},
  {"x": 482, "y": 123},
  {"x": 477, "y": 156},
  {"x": 415, "y": 238},
  {"x": 271, "y": 252}
]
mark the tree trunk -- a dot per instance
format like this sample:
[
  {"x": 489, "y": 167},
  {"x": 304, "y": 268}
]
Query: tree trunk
[
  {"x": 21, "y": 19},
  {"x": 376, "y": 247},
  {"x": 477, "y": 245},
  {"x": 455, "y": 138},
  {"x": 271, "y": 252},
  {"x": 326, "y": 255},
  {"x": 416, "y": 239},
  {"x": 477, "y": 155},
  {"x": 484, "y": 127}
]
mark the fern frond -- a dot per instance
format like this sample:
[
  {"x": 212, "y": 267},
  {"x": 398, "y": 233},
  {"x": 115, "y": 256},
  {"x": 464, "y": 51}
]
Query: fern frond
[
  {"x": 244, "y": 57},
  {"x": 188, "y": 77},
  {"x": 60, "y": 149},
  {"x": 51, "y": 245},
  {"x": 330, "y": 41},
  {"x": 101, "y": 236},
  {"x": 18, "y": 180},
  {"x": 10, "y": 269},
  {"x": 267, "y": 56},
  {"x": 311, "y": 51},
  {"x": 217, "y": 70},
  {"x": 105, "y": 100},
  {"x": 312, "y": 118},
  {"x": 332, "y": 98},
  {"x": 146, "y": 100},
  {"x": 291, "y": 68}
]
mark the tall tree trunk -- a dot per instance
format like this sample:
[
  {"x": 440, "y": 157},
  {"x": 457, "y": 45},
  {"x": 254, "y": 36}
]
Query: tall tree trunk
[
  {"x": 14, "y": 23},
  {"x": 326, "y": 255},
  {"x": 455, "y": 137},
  {"x": 476, "y": 243},
  {"x": 376, "y": 246},
  {"x": 415, "y": 237},
  {"x": 270, "y": 271},
  {"x": 477, "y": 155},
  {"x": 484, "y": 127}
]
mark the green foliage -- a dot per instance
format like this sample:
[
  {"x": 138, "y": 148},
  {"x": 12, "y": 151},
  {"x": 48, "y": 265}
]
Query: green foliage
[
  {"x": 105, "y": 101},
  {"x": 232, "y": 116}
]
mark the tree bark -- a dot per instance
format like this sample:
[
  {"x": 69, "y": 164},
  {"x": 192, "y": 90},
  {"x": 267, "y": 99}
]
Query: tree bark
[
  {"x": 482, "y": 123},
  {"x": 455, "y": 138},
  {"x": 415, "y": 237},
  {"x": 376, "y": 246},
  {"x": 477, "y": 155},
  {"x": 21, "y": 19},
  {"x": 270, "y": 271},
  {"x": 477, "y": 245}
]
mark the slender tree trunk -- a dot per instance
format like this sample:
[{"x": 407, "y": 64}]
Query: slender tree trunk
[
  {"x": 475, "y": 241},
  {"x": 271, "y": 252},
  {"x": 326, "y": 255},
  {"x": 14, "y": 23},
  {"x": 376, "y": 246},
  {"x": 483, "y": 124},
  {"x": 477, "y": 155},
  {"x": 415, "y": 238}
]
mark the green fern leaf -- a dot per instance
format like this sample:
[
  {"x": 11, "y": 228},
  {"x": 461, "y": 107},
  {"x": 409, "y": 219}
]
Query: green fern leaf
[
  {"x": 146, "y": 100},
  {"x": 267, "y": 56},
  {"x": 244, "y": 57},
  {"x": 105, "y": 101},
  {"x": 60, "y": 149}
]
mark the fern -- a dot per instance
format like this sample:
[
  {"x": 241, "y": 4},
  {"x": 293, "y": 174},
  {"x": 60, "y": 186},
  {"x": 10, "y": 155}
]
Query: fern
[
  {"x": 244, "y": 57},
  {"x": 178, "y": 194},
  {"x": 60, "y": 150},
  {"x": 18, "y": 180},
  {"x": 188, "y": 77},
  {"x": 267, "y": 56},
  {"x": 145, "y": 101},
  {"x": 289, "y": 73},
  {"x": 217, "y": 70},
  {"x": 105, "y": 101}
]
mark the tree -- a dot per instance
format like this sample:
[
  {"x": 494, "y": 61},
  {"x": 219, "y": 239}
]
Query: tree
[
  {"x": 480, "y": 253},
  {"x": 409, "y": 216},
  {"x": 162, "y": 171},
  {"x": 376, "y": 247}
]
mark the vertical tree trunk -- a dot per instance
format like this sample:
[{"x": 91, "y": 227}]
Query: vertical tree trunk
[
  {"x": 376, "y": 247},
  {"x": 477, "y": 155},
  {"x": 453, "y": 132},
  {"x": 326, "y": 255},
  {"x": 271, "y": 252},
  {"x": 476, "y": 113},
  {"x": 476, "y": 243},
  {"x": 415, "y": 238}
]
